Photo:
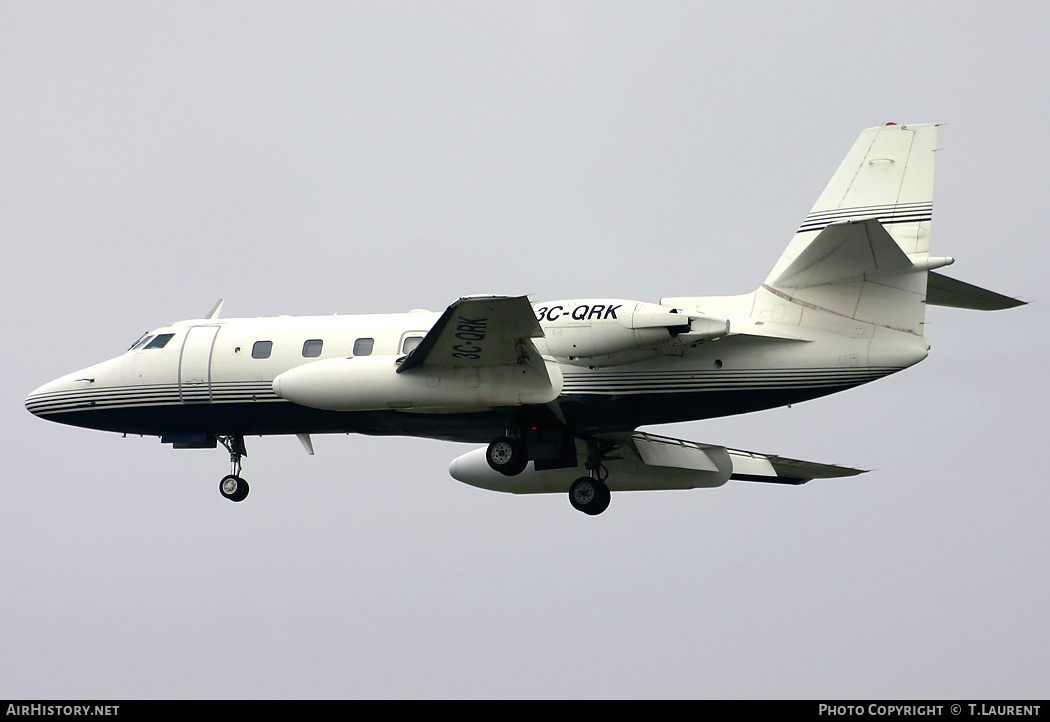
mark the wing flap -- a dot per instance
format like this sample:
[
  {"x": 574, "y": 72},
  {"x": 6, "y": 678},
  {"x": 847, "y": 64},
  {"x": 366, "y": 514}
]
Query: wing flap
[{"x": 678, "y": 454}]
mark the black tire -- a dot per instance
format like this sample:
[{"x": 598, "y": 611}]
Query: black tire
[
  {"x": 589, "y": 496},
  {"x": 233, "y": 488},
  {"x": 507, "y": 456}
]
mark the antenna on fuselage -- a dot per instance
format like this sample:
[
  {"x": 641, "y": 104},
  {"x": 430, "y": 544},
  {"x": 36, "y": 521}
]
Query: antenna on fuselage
[{"x": 214, "y": 313}]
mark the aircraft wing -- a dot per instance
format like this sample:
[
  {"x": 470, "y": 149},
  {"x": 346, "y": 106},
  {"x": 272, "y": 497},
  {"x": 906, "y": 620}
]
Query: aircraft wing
[
  {"x": 640, "y": 461},
  {"x": 747, "y": 465},
  {"x": 478, "y": 331},
  {"x": 478, "y": 354}
]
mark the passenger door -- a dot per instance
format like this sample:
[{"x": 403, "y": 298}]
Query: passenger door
[{"x": 195, "y": 364}]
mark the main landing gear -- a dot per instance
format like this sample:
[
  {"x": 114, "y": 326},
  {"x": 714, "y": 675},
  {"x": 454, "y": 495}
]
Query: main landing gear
[
  {"x": 589, "y": 494},
  {"x": 507, "y": 456},
  {"x": 232, "y": 486}
]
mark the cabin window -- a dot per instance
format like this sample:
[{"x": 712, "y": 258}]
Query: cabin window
[
  {"x": 160, "y": 341},
  {"x": 312, "y": 348},
  {"x": 262, "y": 349},
  {"x": 410, "y": 343},
  {"x": 363, "y": 346}
]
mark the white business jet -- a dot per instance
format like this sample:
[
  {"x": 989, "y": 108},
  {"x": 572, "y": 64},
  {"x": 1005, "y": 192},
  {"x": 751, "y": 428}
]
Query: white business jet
[{"x": 558, "y": 390}]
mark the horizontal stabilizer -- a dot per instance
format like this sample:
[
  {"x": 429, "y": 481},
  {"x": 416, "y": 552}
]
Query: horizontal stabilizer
[
  {"x": 945, "y": 291},
  {"x": 849, "y": 251},
  {"x": 843, "y": 251}
]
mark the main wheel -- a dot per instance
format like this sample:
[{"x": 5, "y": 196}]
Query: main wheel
[
  {"x": 233, "y": 488},
  {"x": 507, "y": 456},
  {"x": 589, "y": 496}
]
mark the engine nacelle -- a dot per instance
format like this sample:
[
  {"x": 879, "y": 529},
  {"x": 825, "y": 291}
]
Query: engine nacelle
[
  {"x": 610, "y": 331},
  {"x": 371, "y": 383}
]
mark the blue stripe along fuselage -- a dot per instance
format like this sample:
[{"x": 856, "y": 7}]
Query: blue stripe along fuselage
[{"x": 590, "y": 402}]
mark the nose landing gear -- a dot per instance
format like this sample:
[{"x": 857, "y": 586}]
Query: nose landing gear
[{"x": 232, "y": 486}]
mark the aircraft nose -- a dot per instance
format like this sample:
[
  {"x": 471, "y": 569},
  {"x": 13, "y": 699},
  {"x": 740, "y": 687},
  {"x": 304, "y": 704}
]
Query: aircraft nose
[
  {"x": 44, "y": 398},
  {"x": 36, "y": 401},
  {"x": 54, "y": 397}
]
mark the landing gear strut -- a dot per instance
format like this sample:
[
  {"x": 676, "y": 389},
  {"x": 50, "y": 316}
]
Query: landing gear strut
[
  {"x": 232, "y": 486},
  {"x": 589, "y": 494}
]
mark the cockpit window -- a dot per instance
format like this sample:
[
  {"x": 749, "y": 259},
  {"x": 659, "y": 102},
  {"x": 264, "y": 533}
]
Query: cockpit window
[{"x": 160, "y": 340}]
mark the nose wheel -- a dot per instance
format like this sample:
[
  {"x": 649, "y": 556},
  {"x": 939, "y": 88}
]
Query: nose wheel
[{"x": 232, "y": 486}]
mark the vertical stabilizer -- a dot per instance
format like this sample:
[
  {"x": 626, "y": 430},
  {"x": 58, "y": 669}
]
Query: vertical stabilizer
[{"x": 863, "y": 251}]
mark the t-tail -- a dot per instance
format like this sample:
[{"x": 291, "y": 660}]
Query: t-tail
[{"x": 863, "y": 251}]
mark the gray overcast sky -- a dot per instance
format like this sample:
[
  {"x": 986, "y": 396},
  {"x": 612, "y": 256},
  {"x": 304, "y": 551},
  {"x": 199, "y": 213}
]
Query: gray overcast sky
[{"x": 320, "y": 157}]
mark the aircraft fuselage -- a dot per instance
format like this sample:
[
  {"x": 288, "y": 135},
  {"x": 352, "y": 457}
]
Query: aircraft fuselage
[{"x": 215, "y": 376}]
